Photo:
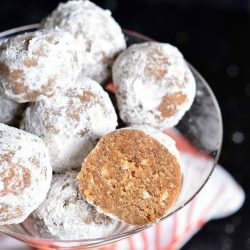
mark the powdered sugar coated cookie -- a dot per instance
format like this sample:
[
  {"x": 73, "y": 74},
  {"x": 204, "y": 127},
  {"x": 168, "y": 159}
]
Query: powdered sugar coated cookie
[
  {"x": 34, "y": 65},
  {"x": 154, "y": 85},
  {"x": 98, "y": 34},
  {"x": 72, "y": 217},
  {"x": 10, "y": 111},
  {"x": 71, "y": 122},
  {"x": 25, "y": 174}
]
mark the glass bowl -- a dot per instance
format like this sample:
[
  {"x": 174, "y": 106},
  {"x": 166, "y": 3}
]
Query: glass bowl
[{"x": 201, "y": 127}]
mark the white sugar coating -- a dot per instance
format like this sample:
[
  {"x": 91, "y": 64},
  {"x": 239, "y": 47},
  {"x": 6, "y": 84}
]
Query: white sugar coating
[
  {"x": 154, "y": 85},
  {"x": 161, "y": 137},
  {"x": 25, "y": 174},
  {"x": 34, "y": 65},
  {"x": 66, "y": 215},
  {"x": 10, "y": 111},
  {"x": 71, "y": 122},
  {"x": 99, "y": 35}
]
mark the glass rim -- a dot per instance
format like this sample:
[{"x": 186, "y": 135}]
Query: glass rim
[{"x": 120, "y": 236}]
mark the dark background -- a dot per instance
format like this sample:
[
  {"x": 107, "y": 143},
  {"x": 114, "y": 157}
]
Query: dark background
[{"x": 214, "y": 36}]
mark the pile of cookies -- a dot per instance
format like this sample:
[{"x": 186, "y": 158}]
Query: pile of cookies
[{"x": 63, "y": 162}]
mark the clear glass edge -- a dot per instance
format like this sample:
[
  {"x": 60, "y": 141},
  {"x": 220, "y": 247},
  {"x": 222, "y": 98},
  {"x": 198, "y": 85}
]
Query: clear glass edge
[{"x": 116, "y": 237}]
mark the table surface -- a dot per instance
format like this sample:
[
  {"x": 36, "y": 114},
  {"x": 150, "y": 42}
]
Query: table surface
[{"x": 213, "y": 36}]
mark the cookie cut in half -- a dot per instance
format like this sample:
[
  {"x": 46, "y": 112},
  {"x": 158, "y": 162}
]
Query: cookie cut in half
[{"x": 131, "y": 176}]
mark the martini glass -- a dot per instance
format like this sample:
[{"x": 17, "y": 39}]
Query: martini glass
[{"x": 202, "y": 129}]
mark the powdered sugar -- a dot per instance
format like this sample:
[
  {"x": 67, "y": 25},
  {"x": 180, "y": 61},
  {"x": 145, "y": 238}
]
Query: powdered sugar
[
  {"x": 98, "y": 34},
  {"x": 71, "y": 217},
  {"x": 154, "y": 85},
  {"x": 71, "y": 122},
  {"x": 34, "y": 65},
  {"x": 25, "y": 174},
  {"x": 10, "y": 111}
]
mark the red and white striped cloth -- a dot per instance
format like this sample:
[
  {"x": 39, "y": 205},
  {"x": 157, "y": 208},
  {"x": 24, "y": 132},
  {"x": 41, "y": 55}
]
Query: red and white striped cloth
[{"x": 173, "y": 232}]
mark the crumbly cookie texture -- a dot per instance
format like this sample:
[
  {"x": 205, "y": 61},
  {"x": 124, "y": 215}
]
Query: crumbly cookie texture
[
  {"x": 34, "y": 65},
  {"x": 99, "y": 35},
  {"x": 71, "y": 122},
  {"x": 25, "y": 174},
  {"x": 66, "y": 215},
  {"x": 10, "y": 111},
  {"x": 130, "y": 176},
  {"x": 161, "y": 137},
  {"x": 154, "y": 85}
]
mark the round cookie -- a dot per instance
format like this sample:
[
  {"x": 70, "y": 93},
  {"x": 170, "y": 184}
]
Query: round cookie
[
  {"x": 130, "y": 176},
  {"x": 10, "y": 111},
  {"x": 34, "y": 65},
  {"x": 154, "y": 85},
  {"x": 72, "y": 217},
  {"x": 71, "y": 122},
  {"x": 25, "y": 174},
  {"x": 98, "y": 34}
]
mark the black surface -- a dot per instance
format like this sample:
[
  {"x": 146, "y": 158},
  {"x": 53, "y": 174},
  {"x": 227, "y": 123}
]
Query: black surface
[{"x": 214, "y": 37}]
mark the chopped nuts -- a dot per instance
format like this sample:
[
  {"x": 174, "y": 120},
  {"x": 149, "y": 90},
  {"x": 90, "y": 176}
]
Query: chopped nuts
[
  {"x": 105, "y": 171},
  {"x": 128, "y": 186},
  {"x": 91, "y": 179},
  {"x": 87, "y": 195},
  {"x": 164, "y": 196},
  {"x": 144, "y": 162},
  {"x": 146, "y": 195},
  {"x": 125, "y": 165}
]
